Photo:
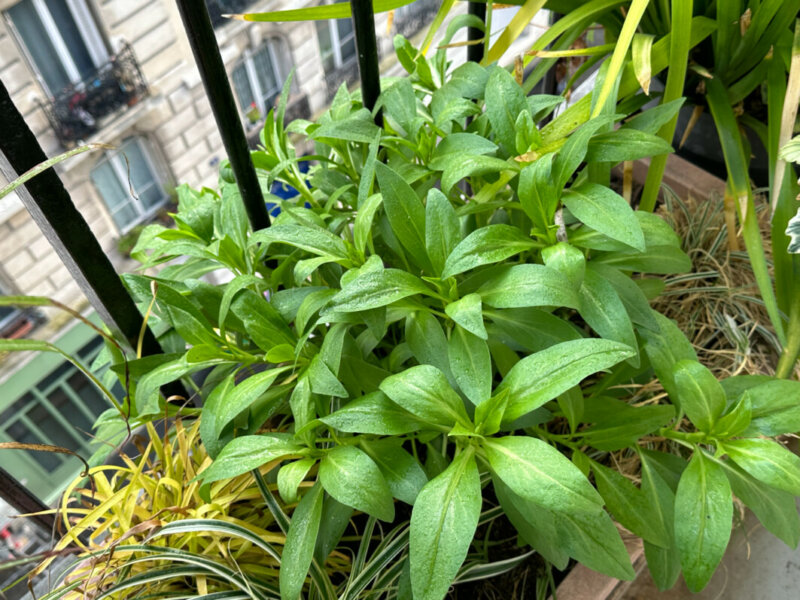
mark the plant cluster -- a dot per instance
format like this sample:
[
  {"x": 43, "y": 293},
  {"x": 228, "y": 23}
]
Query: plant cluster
[
  {"x": 442, "y": 328},
  {"x": 442, "y": 319}
]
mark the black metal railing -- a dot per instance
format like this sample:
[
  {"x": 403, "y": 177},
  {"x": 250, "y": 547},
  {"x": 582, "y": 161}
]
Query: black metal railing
[
  {"x": 412, "y": 18},
  {"x": 217, "y": 8},
  {"x": 77, "y": 111}
]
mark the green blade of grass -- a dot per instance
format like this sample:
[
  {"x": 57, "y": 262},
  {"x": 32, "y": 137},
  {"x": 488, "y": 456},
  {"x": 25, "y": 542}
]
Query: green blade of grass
[
  {"x": 739, "y": 182},
  {"x": 679, "y": 45}
]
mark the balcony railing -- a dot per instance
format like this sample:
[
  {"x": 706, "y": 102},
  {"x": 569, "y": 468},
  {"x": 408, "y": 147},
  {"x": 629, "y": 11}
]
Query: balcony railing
[
  {"x": 217, "y": 8},
  {"x": 76, "y": 111}
]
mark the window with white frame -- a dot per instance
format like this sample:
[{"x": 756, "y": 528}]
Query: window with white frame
[
  {"x": 61, "y": 39},
  {"x": 337, "y": 44},
  {"x": 129, "y": 183},
  {"x": 258, "y": 77}
]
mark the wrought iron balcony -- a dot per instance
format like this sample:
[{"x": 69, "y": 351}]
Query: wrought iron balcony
[
  {"x": 76, "y": 111},
  {"x": 217, "y": 8}
]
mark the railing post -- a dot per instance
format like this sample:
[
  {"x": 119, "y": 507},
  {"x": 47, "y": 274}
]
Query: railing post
[
  {"x": 21, "y": 499},
  {"x": 367, "y": 48},
  {"x": 475, "y": 51},
  {"x": 198, "y": 27},
  {"x": 51, "y": 207}
]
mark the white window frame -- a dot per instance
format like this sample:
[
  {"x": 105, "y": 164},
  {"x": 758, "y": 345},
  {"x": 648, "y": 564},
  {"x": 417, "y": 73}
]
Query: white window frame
[
  {"x": 120, "y": 168},
  {"x": 86, "y": 27},
  {"x": 252, "y": 74},
  {"x": 337, "y": 43}
]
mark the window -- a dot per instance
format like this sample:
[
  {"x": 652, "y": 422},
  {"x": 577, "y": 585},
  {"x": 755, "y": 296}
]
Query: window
[
  {"x": 60, "y": 409},
  {"x": 337, "y": 44},
  {"x": 60, "y": 38},
  {"x": 257, "y": 78},
  {"x": 130, "y": 188}
]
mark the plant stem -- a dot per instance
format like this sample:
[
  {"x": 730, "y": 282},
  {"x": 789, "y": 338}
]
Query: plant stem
[{"x": 791, "y": 349}]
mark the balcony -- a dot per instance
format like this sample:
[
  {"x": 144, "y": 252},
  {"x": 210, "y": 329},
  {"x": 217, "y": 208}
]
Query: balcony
[
  {"x": 217, "y": 8},
  {"x": 76, "y": 112}
]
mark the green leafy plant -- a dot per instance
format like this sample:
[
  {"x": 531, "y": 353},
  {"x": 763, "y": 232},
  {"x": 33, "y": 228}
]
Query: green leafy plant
[
  {"x": 446, "y": 312},
  {"x": 443, "y": 328},
  {"x": 750, "y": 62}
]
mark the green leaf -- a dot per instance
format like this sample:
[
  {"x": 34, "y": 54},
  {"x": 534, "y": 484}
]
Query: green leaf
[
  {"x": 442, "y": 231},
  {"x": 664, "y": 563},
  {"x": 735, "y": 421},
  {"x": 470, "y": 364},
  {"x": 632, "y": 296},
  {"x": 322, "y": 12},
  {"x": 362, "y": 228},
  {"x": 566, "y": 259},
  {"x": 248, "y": 452},
  {"x": 505, "y": 100},
  {"x": 527, "y": 285},
  {"x": 703, "y": 514},
  {"x": 208, "y": 424},
  {"x": 700, "y": 395},
  {"x": 540, "y": 377},
  {"x": 605, "y": 211},
  {"x": 593, "y": 540},
  {"x": 457, "y": 167},
  {"x": 461, "y": 144},
  {"x": 443, "y": 523},
  {"x": 358, "y": 127},
  {"x": 322, "y": 379},
  {"x": 406, "y": 213},
  {"x": 424, "y": 391},
  {"x": 665, "y": 347},
  {"x": 298, "y": 552},
  {"x": 428, "y": 342},
  {"x": 663, "y": 260},
  {"x": 468, "y": 313},
  {"x": 537, "y": 194},
  {"x": 402, "y": 472},
  {"x": 630, "y": 506},
  {"x": 604, "y": 311},
  {"x": 618, "y": 425},
  {"x": 573, "y": 151},
  {"x": 538, "y": 472},
  {"x": 489, "y": 414},
  {"x": 485, "y": 246},
  {"x": 625, "y": 144},
  {"x": 261, "y": 321},
  {"x": 146, "y": 397},
  {"x": 572, "y": 405},
  {"x": 401, "y": 104},
  {"x": 776, "y": 509},
  {"x": 767, "y": 461},
  {"x": 378, "y": 288},
  {"x": 242, "y": 397},
  {"x": 776, "y": 407},
  {"x": 350, "y": 476},
  {"x": 650, "y": 121},
  {"x": 290, "y": 477},
  {"x": 374, "y": 414},
  {"x": 531, "y": 328},
  {"x": 535, "y": 525},
  {"x": 310, "y": 238}
]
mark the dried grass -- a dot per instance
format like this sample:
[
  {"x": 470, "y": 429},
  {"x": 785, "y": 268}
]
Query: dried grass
[{"x": 717, "y": 305}]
